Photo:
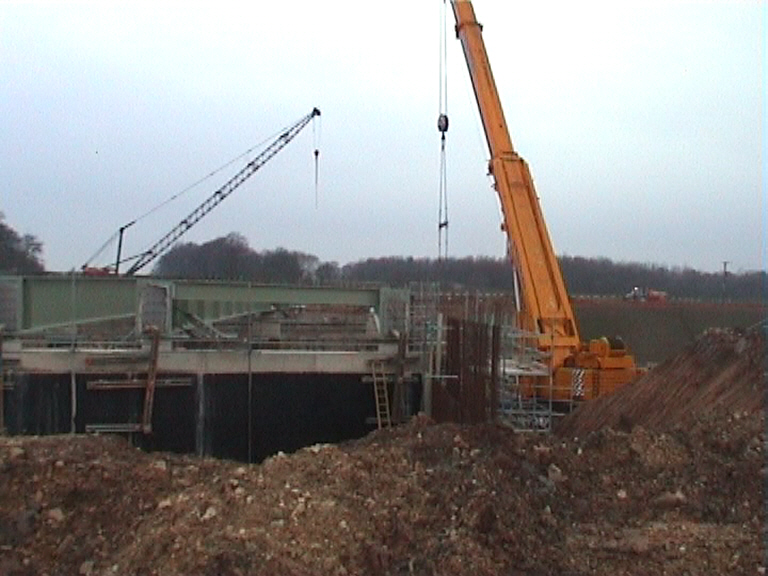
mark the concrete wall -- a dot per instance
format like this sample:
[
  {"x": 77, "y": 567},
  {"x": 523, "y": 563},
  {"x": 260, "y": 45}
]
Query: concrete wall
[{"x": 224, "y": 415}]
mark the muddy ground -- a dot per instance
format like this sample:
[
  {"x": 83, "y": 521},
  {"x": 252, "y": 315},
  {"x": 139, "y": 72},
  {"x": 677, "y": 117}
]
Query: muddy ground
[{"x": 641, "y": 497}]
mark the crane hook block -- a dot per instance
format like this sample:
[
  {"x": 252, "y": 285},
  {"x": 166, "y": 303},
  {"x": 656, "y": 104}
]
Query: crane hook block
[{"x": 442, "y": 123}]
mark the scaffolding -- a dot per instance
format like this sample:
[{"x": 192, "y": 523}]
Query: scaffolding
[
  {"x": 525, "y": 383},
  {"x": 476, "y": 364},
  {"x": 426, "y": 337}
]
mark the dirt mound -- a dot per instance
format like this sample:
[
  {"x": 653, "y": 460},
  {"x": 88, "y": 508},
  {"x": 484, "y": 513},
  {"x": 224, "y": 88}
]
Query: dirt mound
[
  {"x": 421, "y": 499},
  {"x": 721, "y": 373}
]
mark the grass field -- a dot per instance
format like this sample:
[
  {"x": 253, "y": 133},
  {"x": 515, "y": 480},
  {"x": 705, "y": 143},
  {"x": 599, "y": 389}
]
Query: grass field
[{"x": 655, "y": 331}]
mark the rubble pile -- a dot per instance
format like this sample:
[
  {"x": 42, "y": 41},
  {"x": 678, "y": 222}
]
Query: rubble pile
[
  {"x": 665, "y": 477},
  {"x": 419, "y": 499}
]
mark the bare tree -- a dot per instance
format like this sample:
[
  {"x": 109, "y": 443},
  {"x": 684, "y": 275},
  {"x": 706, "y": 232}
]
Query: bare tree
[{"x": 19, "y": 254}]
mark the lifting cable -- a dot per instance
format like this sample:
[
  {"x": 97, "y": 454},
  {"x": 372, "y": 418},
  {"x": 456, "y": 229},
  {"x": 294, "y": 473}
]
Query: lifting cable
[
  {"x": 316, "y": 133},
  {"x": 442, "y": 126}
]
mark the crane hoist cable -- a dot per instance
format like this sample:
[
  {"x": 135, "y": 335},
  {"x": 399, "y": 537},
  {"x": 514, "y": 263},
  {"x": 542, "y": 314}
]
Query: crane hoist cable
[
  {"x": 442, "y": 126},
  {"x": 316, "y": 133},
  {"x": 162, "y": 245}
]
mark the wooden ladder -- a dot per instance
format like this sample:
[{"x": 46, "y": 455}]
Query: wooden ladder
[
  {"x": 380, "y": 393},
  {"x": 149, "y": 385}
]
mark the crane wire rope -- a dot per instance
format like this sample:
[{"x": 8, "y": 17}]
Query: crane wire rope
[
  {"x": 317, "y": 130},
  {"x": 101, "y": 249},
  {"x": 442, "y": 126}
]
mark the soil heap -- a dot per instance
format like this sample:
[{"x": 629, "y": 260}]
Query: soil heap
[
  {"x": 421, "y": 499},
  {"x": 720, "y": 374}
]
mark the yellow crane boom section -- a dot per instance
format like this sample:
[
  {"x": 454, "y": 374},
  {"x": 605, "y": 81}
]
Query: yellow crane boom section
[{"x": 546, "y": 306}]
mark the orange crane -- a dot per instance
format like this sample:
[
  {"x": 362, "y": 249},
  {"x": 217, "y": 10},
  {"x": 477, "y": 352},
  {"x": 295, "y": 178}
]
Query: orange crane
[{"x": 580, "y": 370}]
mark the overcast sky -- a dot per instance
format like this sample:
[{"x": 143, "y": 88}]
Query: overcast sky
[{"x": 643, "y": 124}]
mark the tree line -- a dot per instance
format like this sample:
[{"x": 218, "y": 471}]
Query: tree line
[
  {"x": 583, "y": 277},
  {"x": 231, "y": 258}
]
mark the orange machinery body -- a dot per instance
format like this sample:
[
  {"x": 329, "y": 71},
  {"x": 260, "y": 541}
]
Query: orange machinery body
[
  {"x": 596, "y": 369},
  {"x": 579, "y": 370}
]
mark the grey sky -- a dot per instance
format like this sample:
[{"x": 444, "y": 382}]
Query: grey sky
[{"x": 643, "y": 124}]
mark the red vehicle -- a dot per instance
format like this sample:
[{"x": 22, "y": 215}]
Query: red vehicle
[{"x": 638, "y": 294}]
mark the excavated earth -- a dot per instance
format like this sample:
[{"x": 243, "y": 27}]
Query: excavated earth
[
  {"x": 722, "y": 372},
  {"x": 645, "y": 495}
]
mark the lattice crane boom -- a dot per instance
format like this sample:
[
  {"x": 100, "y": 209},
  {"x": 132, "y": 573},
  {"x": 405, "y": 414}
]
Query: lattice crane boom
[{"x": 164, "y": 244}]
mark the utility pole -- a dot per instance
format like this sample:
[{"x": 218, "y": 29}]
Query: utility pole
[{"x": 725, "y": 277}]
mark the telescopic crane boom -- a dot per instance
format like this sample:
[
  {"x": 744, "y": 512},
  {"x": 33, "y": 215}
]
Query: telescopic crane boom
[
  {"x": 582, "y": 370},
  {"x": 162, "y": 245}
]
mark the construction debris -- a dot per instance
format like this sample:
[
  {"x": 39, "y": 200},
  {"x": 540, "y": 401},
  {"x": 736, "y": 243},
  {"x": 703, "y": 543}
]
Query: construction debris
[{"x": 417, "y": 499}]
